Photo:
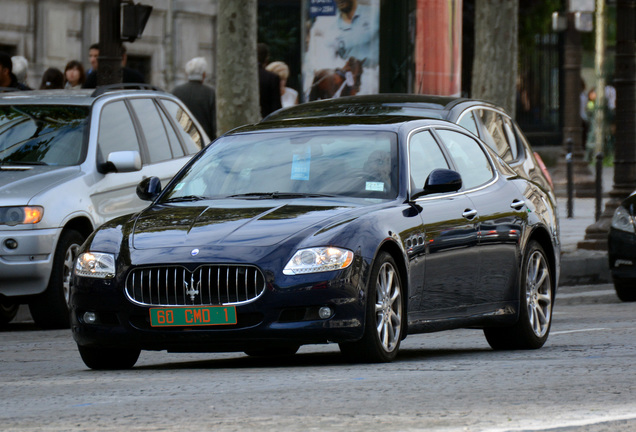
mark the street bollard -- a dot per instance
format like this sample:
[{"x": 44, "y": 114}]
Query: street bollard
[
  {"x": 599, "y": 186},
  {"x": 570, "y": 178}
]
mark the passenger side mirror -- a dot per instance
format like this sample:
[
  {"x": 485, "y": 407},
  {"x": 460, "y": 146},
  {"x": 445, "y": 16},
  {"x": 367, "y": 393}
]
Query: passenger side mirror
[
  {"x": 441, "y": 180},
  {"x": 122, "y": 161},
  {"x": 149, "y": 188}
]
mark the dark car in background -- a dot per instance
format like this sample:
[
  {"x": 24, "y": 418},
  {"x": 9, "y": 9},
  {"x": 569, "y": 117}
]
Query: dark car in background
[
  {"x": 356, "y": 231},
  {"x": 70, "y": 160},
  {"x": 622, "y": 249},
  {"x": 486, "y": 120}
]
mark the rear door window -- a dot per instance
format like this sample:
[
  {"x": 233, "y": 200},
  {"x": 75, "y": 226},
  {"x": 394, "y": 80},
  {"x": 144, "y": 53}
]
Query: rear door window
[
  {"x": 153, "y": 129},
  {"x": 469, "y": 158}
]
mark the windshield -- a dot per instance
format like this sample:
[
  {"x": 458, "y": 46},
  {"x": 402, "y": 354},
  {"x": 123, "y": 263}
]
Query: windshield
[
  {"x": 270, "y": 165},
  {"x": 42, "y": 135}
]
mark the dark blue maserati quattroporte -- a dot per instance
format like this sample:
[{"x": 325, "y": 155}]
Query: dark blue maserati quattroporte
[{"x": 356, "y": 231}]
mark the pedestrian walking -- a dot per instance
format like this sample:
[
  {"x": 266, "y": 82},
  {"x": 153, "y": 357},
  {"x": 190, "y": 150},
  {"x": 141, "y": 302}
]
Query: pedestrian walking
[
  {"x": 288, "y": 96},
  {"x": 269, "y": 83},
  {"x": 198, "y": 97}
]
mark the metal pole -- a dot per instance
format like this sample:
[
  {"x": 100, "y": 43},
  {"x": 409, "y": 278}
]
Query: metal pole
[
  {"x": 599, "y": 67},
  {"x": 599, "y": 186},
  {"x": 109, "y": 60},
  {"x": 570, "y": 178}
]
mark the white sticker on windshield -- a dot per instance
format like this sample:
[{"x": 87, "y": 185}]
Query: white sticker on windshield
[
  {"x": 375, "y": 186},
  {"x": 300, "y": 165},
  {"x": 179, "y": 186}
]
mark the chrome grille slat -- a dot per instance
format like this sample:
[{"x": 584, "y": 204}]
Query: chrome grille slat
[{"x": 166, "y": 285}]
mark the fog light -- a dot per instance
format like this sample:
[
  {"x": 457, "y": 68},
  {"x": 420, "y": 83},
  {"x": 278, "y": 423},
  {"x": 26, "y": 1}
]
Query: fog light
[
  {"x": 325, "y": 312},
  {"x": 90, "y": 317},
  {"x": 11, "y": 244}
]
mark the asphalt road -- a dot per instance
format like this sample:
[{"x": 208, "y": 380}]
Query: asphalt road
[{"x": 582, "y": 380}]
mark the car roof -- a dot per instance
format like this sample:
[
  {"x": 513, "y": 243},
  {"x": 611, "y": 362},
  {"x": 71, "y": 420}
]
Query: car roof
[
  {"x": 392, "y": 104},
  {"x": 371, "y": 122},
  {"x": 83, "y": 97}
]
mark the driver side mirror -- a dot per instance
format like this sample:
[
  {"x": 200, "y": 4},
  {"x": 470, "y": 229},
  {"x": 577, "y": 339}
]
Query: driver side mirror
[
  {"x": 149, "y": 188},
  {"x": 440, "y": 180}
]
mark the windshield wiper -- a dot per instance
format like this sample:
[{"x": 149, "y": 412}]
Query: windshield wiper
[
  {"x": 278, "y": 195},
  {"x": 186, "y": 198}
]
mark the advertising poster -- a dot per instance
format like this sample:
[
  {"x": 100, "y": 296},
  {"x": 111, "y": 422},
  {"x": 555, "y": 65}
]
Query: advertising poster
[{"x": 341, "y": 48}]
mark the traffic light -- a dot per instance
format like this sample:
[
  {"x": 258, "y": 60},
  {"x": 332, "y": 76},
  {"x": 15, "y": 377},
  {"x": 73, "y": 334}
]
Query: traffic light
[{"x": 134, "y": 19}]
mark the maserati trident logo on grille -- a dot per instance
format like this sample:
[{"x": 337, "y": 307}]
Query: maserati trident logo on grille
[{"x": 192, "y": 292}]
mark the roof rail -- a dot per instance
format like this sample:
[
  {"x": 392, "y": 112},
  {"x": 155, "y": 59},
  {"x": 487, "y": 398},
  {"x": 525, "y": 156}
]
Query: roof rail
[{"x": 124, "y": 86}]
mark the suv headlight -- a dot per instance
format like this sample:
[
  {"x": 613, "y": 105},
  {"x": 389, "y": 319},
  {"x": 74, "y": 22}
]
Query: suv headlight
[
  {"x": 321, "y": 259},
  {"x": 95, "y": 265},
  {"x": 623, "y": 220},
  {"x": 21, "y": 215}
]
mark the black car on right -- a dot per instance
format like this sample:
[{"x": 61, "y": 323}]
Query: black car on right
[
  {"x": 487, "y": 121},
  {"x": 622, "y": 249}
]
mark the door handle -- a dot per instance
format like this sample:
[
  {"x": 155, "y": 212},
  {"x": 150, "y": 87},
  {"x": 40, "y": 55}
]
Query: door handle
[
  {"x": 469, "y": 213},
  {"x": 517, "y": 204}
]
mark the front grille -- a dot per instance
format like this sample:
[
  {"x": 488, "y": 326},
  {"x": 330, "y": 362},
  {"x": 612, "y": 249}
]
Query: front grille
[{"x": 206, "y": 285}]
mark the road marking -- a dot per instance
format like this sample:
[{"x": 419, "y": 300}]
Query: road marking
[{"x": 578, "y": 331}]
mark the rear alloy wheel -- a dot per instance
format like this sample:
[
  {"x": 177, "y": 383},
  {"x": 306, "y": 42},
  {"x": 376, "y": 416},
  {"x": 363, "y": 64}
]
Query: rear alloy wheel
[
  {"x": 625, "y": 289},
  {"x": 50, "y": 310},
  {"x": 8, "y": 311},
  {"x": 535, "y": 314},
  {"x": 385, "y": 313},
  {"x": 108, "y": 358}
]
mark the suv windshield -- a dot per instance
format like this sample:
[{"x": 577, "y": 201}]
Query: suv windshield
[
  {"x": 42, "y": 135},
  {"x": 294, "y": 164}
]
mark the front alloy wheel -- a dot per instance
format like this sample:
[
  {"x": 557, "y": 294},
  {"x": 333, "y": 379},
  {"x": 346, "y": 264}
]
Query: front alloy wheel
[
  {"x": 385, "y": 312},
  {"x": 535, "y": 313}
]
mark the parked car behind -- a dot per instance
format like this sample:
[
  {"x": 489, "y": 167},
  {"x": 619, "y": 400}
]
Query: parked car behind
[
  {"x": 622, "y": 249},
  {"x": 486, "y": 120},
  {"x": 354, "y": 230},
  {"x": 70, "y": 161}
]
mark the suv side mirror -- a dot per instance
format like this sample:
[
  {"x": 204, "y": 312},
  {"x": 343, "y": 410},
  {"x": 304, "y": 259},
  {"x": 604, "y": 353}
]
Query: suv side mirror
[
  {"x": 441, "y": 180},
  {"x": 149, "y": 188},
  {"x": 122, "y": 161}
]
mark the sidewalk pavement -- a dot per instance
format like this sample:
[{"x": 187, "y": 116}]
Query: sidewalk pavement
[{"x": 580, "y": 266}]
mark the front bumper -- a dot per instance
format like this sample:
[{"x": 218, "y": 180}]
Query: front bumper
[
  {"x": 622, "y": 254},
  {"x": 279, "y": 317},
  {"x": 25, "y": 270}
]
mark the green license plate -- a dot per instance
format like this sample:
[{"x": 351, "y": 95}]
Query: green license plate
[{"x": 192, "y": 316}]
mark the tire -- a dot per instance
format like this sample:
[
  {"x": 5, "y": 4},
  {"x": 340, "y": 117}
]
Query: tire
[
  {"x": 384, "y": 316},
  {"x": 281, "y": 351},
  {"x": 625, "y": 289},
  {"x": 8, "y": 311},
  {"x": 108, "y": 359},
  {"x": 50, "y": 310},
  {"x": 536, "y": 295}
]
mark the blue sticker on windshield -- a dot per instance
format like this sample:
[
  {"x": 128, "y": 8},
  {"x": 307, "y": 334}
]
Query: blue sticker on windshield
[{"x": 300, "y": 165}]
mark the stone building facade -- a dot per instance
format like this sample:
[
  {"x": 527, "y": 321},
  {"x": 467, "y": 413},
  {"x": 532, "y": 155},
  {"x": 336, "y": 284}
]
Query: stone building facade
[{"x": 49, "y": 33}]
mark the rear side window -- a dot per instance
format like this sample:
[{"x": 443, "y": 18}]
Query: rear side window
[
  {"x": 470, "y": 160},
  {"x": 153, "y": 129},
  {"x": 468, "y": 122},
  {"x": 116, "y": 130},
  {"x": 495, "y": 135},
  {"x": 187, "y": 129}
]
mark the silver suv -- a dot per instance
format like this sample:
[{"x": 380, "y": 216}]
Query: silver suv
[{"x": 70, "y": 161}]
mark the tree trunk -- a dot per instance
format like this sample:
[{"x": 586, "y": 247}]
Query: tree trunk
[
  {"x": 495, "y": 62},
  {"x": 237, "y": 95}
]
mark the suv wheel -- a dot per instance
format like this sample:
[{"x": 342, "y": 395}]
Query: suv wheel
[
  {"x": 8, "y": 311},
  {"x": 50, "y": 309}
]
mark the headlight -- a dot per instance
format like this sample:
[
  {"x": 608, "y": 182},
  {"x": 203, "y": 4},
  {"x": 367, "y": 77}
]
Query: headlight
[
  {"x": 95, "y": 265},
  {"x": 21, "y": 215},
  {"x": 622, "y": 220},
  {"x": 316, "y": 260}
]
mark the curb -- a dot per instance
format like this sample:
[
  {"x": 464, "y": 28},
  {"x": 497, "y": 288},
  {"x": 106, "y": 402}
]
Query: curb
[
  {"x": 584, "y": 267},
  {"x": 586, "y": 294}
]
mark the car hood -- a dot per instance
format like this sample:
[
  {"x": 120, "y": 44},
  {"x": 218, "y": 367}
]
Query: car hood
[
  {"x": 236, "y": 222},
  {"x": 19, "y": 184}
]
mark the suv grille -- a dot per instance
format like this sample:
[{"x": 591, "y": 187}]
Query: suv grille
[{"x": 206, "y": 285}]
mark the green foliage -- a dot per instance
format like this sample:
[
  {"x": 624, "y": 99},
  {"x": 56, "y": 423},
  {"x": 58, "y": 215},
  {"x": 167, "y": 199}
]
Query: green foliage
[{"x": 535, "y": 18}]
